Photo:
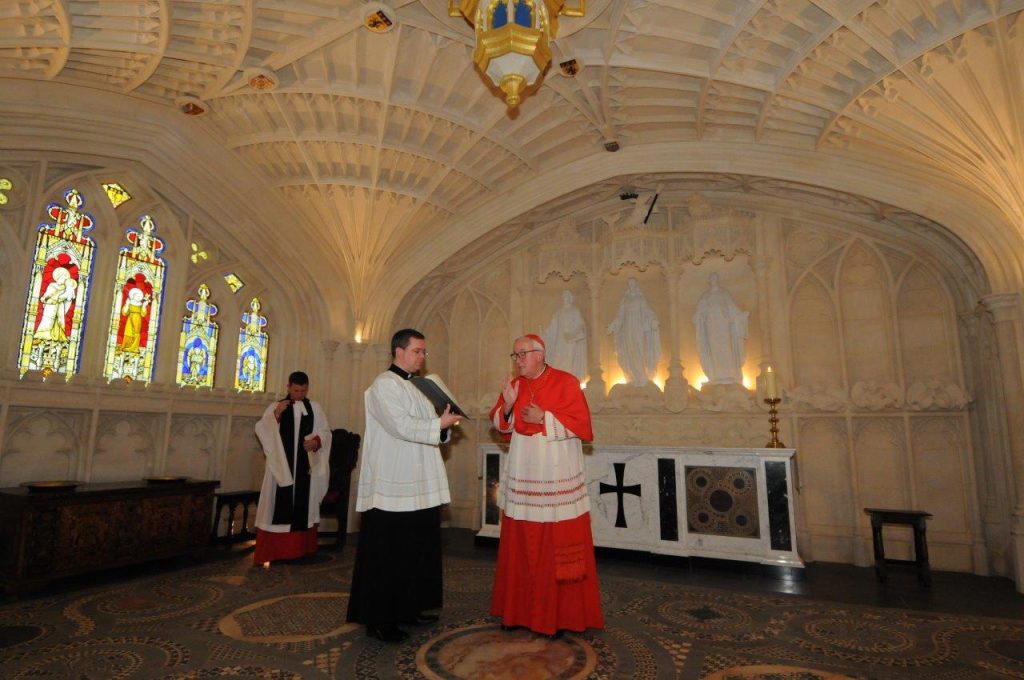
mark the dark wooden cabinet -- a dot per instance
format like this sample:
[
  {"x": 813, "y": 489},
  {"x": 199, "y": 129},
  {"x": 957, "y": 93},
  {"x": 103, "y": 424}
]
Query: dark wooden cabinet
[{"x": 48, "y": 535}]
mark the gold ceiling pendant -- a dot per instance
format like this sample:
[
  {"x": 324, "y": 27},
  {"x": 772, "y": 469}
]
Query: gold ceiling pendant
[{"x": 513, "y": 38}]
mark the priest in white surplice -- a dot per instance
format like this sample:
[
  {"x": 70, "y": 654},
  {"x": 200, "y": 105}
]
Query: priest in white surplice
[
  {"x": 296, "y": 440},
  {"x": 402, "y": 486}
]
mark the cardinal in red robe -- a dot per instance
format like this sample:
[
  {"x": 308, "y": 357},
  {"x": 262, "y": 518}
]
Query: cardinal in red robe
[{"x": 546, "y": 578}]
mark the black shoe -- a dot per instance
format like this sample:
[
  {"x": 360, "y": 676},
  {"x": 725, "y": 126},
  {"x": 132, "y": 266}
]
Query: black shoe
[
  {"x": 557, "y": 635},
  {"x": 507, "y": 628},
  {"x": 386, "y": 633},
  {"x": 422, "y": 619}
]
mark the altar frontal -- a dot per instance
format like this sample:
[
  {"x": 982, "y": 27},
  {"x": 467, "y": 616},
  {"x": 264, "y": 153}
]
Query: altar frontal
[{"x": 734, "y": 504}]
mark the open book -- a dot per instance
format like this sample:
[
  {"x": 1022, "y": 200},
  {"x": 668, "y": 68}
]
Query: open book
[{"x": 438, "y": 393}]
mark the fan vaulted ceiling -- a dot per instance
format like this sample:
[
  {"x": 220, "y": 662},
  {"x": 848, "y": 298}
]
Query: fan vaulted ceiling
[{"x": 385, "y": 145}]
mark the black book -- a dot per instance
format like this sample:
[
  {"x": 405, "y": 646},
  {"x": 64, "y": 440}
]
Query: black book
[{"x": 437, "y": 392}]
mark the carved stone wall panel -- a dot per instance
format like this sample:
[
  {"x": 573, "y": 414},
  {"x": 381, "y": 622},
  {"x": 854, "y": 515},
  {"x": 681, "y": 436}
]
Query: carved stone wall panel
[
  {"x": 866, "y": 316},
  {"x": 495, "y": 284},
  {"x": 880, "y": 463},
  {"x": 669, "y": 430},
  {"x": 193, "y": 446},
  {"x": 439, "y": 347},
  {"x": 561, "y": 260},
  {"x": 827, "y": 266},
  {"x": 927, "y": 329},
  {"x": 243, "y": 467},
  {"x": 496, "y": 344},
  {"x": 724, "y": 235},
  {"x": 805, "y": 245},
  {"x": 461, "y": 463},
  {"x": 634, "y": 248},
  {"x": 469, "y": 348},
  {"x": 42, "y": 444},
  {"x": 897, "y": 260},
  {"x": 823, "y": 464},
  {"x": 126, "y": 446},
  {"x": 466, "y": 327},
  {"x": 814, "y": 337},
  {"x": 940, "y": 447}
]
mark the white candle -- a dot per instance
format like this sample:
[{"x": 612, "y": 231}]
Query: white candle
[{"x": 771, "y": 388}]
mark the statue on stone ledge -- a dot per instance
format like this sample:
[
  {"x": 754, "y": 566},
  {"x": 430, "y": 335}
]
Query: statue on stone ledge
[
  {"x": 721, "y": 335},
  {"x": 637, "y": 336}
]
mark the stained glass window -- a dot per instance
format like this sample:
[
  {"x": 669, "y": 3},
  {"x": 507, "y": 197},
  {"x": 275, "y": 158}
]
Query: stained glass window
[
  {"x": 116, "y": 193},
  {"x": 250, "y": 374},
  {"x": 198, "y": 253},
  {"x": 197, "y": 350},
  {"x": 234, "y": 283},
  {"x": 58, "y": 290},
  {"x": 135, "y": 318}
]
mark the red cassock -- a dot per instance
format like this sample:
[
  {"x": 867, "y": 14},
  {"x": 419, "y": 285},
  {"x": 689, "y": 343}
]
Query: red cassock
[{"x": 546, "y": 578}]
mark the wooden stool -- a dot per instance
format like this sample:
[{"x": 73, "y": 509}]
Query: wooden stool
[{"x": 912, "y": 518}]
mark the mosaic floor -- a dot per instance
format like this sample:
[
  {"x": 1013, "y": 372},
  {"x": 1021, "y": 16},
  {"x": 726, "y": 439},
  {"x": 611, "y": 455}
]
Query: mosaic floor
[{"x": 228, "y": 619}]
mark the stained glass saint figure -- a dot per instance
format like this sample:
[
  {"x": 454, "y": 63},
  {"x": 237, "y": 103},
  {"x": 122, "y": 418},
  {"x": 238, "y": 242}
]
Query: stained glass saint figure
[
  {"x": 135, "y": 317},
  {"x": 250, "y": 374},
  {"x": 197, "y": 350},
  {"x": 58, "y": 291}
]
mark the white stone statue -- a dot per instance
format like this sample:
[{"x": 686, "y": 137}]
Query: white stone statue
[
  {"x": 637, "y": 338},
  {"x": 566, "y": 339},
  {"x": 721, "y": 335}
]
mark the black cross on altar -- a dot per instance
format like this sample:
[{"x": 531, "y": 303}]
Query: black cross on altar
[{"x": 620, "y": 471}]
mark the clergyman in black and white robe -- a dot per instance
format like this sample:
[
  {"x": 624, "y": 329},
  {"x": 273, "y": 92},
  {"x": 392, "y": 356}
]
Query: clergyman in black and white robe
[{"x": 296, "y": 440}]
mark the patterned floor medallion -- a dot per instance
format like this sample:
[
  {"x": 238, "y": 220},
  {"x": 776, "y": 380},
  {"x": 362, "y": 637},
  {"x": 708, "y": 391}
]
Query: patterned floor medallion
[
  {"x": 14, "y": 635},
  {"x": 861, "y": 634},
  {"x": 292, "y": 618},
  {"x": 237, "y": 673},
  {"x": 155, "y": 602},
  {"x": 771, "y": 672},
  {"x": 486, "y": 651},
  {"x": 99, "y": 659}
]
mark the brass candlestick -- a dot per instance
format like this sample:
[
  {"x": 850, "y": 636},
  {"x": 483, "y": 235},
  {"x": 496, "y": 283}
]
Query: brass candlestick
[{"x": 773, "y": 418}]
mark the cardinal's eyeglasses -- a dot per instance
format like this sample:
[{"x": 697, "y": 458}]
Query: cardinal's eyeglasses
[{"x": 521, "y": 355}]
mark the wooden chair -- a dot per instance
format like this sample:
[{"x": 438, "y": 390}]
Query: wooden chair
[{"x": 344, "y": 454}]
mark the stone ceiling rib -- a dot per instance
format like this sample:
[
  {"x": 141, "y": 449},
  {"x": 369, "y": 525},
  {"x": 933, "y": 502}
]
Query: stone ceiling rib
[{"x": 884, "y": 47}]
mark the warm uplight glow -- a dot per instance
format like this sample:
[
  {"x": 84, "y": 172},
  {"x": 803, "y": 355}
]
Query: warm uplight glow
[
  {"x": 659, "y": 380},
  {"x": 748, "y": 382},
  {"x": 358, "y": 337},
  {"x": 583, "y": 385}
]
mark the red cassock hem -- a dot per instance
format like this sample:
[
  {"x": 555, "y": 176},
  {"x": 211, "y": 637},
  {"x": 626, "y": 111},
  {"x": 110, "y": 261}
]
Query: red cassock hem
[
  {"x": 272, "y": 546},
  {"x": 526, "y": 590}
]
